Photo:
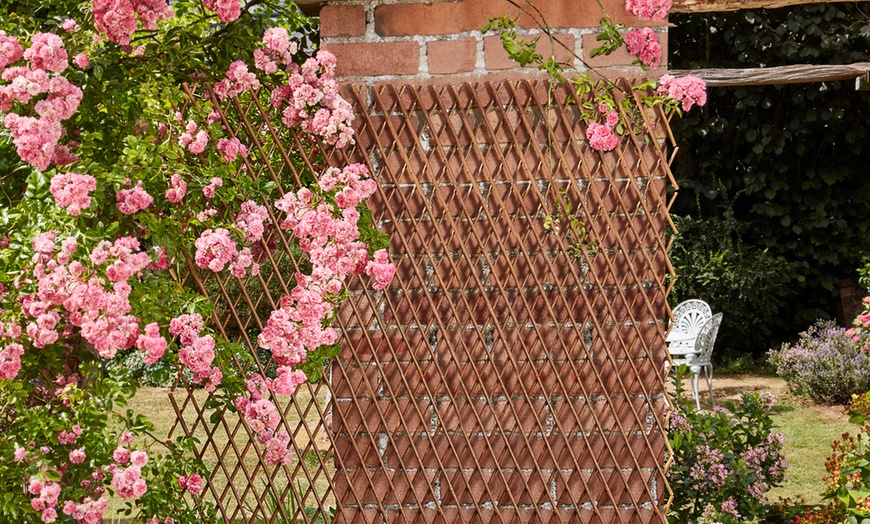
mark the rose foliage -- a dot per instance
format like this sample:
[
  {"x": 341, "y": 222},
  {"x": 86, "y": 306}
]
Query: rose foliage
[
  {"x": 113, "y": 179},
  {"x": 673, "y": 94}
]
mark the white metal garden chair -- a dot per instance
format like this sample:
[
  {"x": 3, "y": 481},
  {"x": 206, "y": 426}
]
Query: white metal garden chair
[
  {"x": 689, "y": 316},
  {"x": 701, "y": 357}
]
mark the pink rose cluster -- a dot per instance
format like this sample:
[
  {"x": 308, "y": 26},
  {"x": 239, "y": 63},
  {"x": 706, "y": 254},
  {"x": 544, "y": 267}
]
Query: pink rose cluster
[
  {"x": 353, "y": 184},
  {"x": 195, "y": 141},
  {"x": 196, "y": 352},
  {"x": 89, "y": 511},
  {"x": 643, "y": 43},
  {"x": 648, "y": 9},
  {"x": 10, "y": 50},
  {"x": 263, "y": 418},
  {"x": 10, "y": 360},
  {"x": 861, "y": 324},
  {"x": 311, "y": 99},
  {"x": 10, "y": 354},
  {"x": 177, "y": 189},
  {"x": 381, "y": 269},
  {"x": 277, "y": 50},
  {"x": 238, "y": 80},
  {"x": 297, "y": 326},
  {"x": 687, "y": 90},
  {"x": 156, "y": 520},
  {"x": 152, "y": 343},
  {"x": 191, "y": 484},
  {"x": 601, "y": 136},
  {"x": 329, "y": 235},
  {"x": 117, "y": 18},
  {"x": 215, "y": 249},
  {"x": 81, "y": 60},
  {"x": 209, "y": 190},
  {"x": 227, "y": 10},
  {"x": 128, "y": 482},
  {"x": 46, "y": 496},
  {"x": 70, "y": 26},
  {"x": 250, "y": 220},
  {"x": 72, "y": 191},
  {"x": 69, "y": 296},
  {"x": 231, "y": 148},
  {"x": 37, "y": 138},
  {"x": 69, "y": 437}
]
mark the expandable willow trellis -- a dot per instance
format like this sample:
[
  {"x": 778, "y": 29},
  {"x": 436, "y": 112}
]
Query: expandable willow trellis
[{"x": 511, "y": 372}]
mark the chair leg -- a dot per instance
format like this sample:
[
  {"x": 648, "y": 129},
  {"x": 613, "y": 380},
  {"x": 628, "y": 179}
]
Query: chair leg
[
  {"x": 695, "y": 386},
  {"x": 708, "y": 371}
]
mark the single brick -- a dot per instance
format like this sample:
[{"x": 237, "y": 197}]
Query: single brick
[
  {"x": 452, "y": 56},
  {"x": 342, "y": 20},
  {"x": 376, "y": 58},
  {"x": 439, "y": 18}
]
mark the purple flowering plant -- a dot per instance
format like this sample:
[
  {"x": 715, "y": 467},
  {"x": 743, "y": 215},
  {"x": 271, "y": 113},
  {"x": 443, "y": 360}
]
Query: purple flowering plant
[
  {"x": 725, "y": 460},
  {"x": 828, "y": 363}
]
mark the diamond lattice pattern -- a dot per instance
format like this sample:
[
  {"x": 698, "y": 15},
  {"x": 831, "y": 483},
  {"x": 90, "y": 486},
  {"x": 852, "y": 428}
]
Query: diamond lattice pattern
[{"x": 510, "y": 373}]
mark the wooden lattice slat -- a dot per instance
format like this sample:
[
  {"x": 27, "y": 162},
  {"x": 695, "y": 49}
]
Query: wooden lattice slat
[{"x": 498, "y": 378}]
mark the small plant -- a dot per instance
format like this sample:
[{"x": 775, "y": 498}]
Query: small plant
[
  {"x": 296, "y": 512},
  {"x": 725, "y": 461},
  {"x": 827, "y": 364}
]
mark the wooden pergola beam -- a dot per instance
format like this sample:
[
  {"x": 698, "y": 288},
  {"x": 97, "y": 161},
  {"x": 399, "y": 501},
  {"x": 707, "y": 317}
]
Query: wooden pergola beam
[
  {"x": 310, "y": 7},
  {"x": 792, "y": 74},
  {"x": 713, "y": 6}
]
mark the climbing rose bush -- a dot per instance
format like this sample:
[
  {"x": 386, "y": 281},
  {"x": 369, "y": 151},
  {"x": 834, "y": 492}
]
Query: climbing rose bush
[
  {"x": 675, "y": 94},
  {"x": 113, "y": 182}
]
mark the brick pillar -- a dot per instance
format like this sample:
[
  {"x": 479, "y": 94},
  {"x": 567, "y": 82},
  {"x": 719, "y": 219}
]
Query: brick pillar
[{"x": 550, "y": 408}]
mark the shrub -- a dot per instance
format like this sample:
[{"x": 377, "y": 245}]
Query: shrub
[
  {"x": 826, "y": 364},
  {"x": 725, "y": 461},
  {"x": 748, "y": 285}
]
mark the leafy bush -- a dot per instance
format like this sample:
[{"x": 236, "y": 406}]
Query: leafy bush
[
  {"x": 725, "y": 461},
  {"x": 826, "y": 364},
  {"x": 748, "y": 285},
  {"x": 864, "y": 274}
]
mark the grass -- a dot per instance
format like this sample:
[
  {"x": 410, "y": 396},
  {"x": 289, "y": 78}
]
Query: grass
[{"x": 808, "y": 433}]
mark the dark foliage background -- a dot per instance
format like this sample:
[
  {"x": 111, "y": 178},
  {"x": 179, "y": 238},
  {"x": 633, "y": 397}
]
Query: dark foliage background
[{"x": 774, "y": 180}]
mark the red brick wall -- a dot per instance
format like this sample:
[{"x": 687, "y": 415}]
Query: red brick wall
[{"x": 412, "y": 39}]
